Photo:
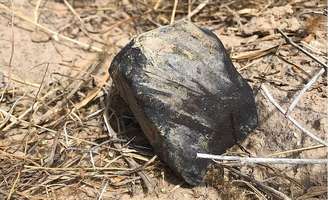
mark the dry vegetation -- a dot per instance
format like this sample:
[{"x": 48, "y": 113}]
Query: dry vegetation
[{"x": 58, "y": 142}]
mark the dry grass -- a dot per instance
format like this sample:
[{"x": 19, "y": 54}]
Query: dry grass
[{"x": 57, "y": 140}]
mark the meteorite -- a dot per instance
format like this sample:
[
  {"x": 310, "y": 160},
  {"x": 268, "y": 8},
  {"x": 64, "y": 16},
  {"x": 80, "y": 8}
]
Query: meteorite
[{"x": 185, "y": 93}]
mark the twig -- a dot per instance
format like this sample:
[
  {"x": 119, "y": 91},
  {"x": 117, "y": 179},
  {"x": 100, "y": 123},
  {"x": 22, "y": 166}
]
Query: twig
[
  {"x": 74, "y": 12},
  {"x": 315, "y": 50},
  {"x": 21, "y": 81},
  {"x": 36, "y": 10},
  {"x": 259, "y": 184},
  {"x": 94, "y": 148},
  {"x": 173, "y": 11},
  {"x": 12, "y": 45},
  {"x": 40, "y": 87},
  {"x": 288, "y": 40},
  {"x": 235, "y": 16},
  {"x": 294, "y": 65},
  {"x": 51, "y": 157},
  {"x": 256, "y": 191},
  {"x": 33, "y": 107},
  {"x": 297, "y": 150},
  {"x": 121, "y": 183},
  {"x": 8, "y": 116},
  {"x": 250, "y": 64},
  {"x": 12, "y": 35},
  {"x": 176, "y": 187},
  {"x": 147, "y": 181},
  {"x": 12, "y": 118},
  {"x": 257, "y": 160},
  {"x": 19, "y": 157},
  {"x": 17, "y": 121},
  {"x": 189, "y": 9},
  {"x": 323, "y": 12},
  {"x": 102, "y": 191},
  {"x": 94, "y": 114},
  {"x": 254, "y": 54},
  {"x": 83, "y": 28},
  {"x": 109, "y": 128},
  {"x": 273, "y": 101},
  {"x": 96, "y": 92},
  {"x": 55, "y": 35},
  {"x": 14, "y": 185},
  {"x": 305, "y": 88},
  {"x": 78, "y": 168},
  {"x": 65, "y": 132},
  {"x": 92, "y": 160},
  {"x": 198, "y": 8},
  {"x": 75, "y": 86},
  {"x": 158, "y": 3}
]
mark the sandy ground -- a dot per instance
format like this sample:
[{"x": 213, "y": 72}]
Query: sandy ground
[{"x": 247, "y": 33}]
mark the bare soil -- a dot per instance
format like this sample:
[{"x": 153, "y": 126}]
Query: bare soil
[{"x": 56, "y": 84}]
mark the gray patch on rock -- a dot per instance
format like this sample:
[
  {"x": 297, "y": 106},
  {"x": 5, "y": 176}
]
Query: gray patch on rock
[{"x": 186, "y": 95}]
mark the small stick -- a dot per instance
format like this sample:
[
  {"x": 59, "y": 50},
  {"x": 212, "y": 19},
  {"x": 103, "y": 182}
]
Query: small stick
[
  {"x": 250, "y": 64},
  {"x": 33, "y": 107},
  {"x": 102, "y": 191},
  {"x": 17, "y": 121},
  {"x": 176, "y": 187},
  {"x": 147, "y": 181},
  {"x": 132, "y": 163},
  {"x": 249, "y": 160},
  {"x": 83, "y": 28},
  {"x": 14, "y": 185},
  {"x": 323, "y": 12},
  {"x": 36, "y": 10},
  {"x": 257, "y": 192},
  {"x": 74, "y": 12},
  {"x": 55, "y": 35},
  {"x": 121, "y": 183},
  {"x": 294, "y": 65},
  {"x": 39, "y": 89},
  {"x": 313, "y": 49},
  {"x": 14, "y": 156},
  {"x": 75, "y": 86},
  {"x": 158, "y": 3},
  {"x": 78, "y": 168},
  {"x": 9, "y": 114},
  {"x": 305, "y": 88},
  {"x": 12, "y": 44},
  {"x": 198, "y": 8},
  {"x": 273, "y": 101},
  {"x": 15, "y": 79},
  {"x": 94, "y": 114},
  {"x": 189, "y": 9},
  {"x": 65, "y": 132},
  {"x": 51, "y": 158},
  {"x": 174, "y": 10},
  {"x": 297, "y": 150},
  {"x": 259, "y": 184},
  {"x": 288, "y": 40},
  {"x": 92, "y": 160},
  {"x": 13, "y": 118}
]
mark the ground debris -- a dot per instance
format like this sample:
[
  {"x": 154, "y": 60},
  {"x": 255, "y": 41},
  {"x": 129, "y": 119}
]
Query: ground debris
[{"x": 85, "y": 162}]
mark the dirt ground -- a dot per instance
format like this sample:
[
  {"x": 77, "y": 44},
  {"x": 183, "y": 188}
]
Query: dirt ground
[{"x": 54, "y": 56}]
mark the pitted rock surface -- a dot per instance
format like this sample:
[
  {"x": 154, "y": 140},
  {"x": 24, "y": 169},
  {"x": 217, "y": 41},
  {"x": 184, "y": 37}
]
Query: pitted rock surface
[{"x": 186, "y": 95}]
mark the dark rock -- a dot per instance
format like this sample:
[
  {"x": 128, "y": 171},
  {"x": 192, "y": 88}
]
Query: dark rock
[{"x": 186, "y": 95}]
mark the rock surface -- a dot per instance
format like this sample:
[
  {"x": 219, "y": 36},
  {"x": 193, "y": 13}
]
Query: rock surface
[{"x": 186, "y": 95}]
